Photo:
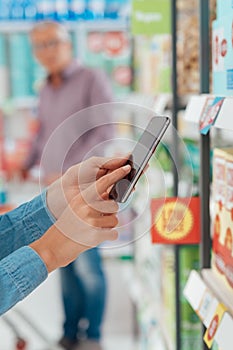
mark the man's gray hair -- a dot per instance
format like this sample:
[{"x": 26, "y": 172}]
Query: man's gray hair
[{"x": 62, "y": 31}]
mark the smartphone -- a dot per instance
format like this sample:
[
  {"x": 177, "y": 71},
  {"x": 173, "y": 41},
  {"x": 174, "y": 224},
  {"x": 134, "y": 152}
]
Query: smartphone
[{"x": 139, "y": 157}]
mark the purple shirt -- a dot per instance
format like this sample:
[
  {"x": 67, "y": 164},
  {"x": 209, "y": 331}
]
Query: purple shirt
[{"x": 65, "y": 136}]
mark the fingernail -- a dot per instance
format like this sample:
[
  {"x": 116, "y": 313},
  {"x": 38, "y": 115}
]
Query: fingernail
[{"x": 126, "y": 167}]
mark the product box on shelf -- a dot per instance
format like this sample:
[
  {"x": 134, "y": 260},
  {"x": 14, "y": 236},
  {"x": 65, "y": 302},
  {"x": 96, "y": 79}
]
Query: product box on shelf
[
  {"x": 110, "y": 51},
  {"x": 175, "y": 220},
  {"x": 168, "y": 293},
  {"x": 222, "y": 56},
  {"x": 4, "y": 72},
  {"x": 190, "y": 324},
  {"x": 20, "y": 65},
  {"x": 152, "y": 64},
  {"x": 64, "y": 9},
  {"x": 222, "y": 260},
  {"x": 224, "y": 7}
]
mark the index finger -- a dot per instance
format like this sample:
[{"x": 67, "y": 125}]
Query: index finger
[{"x": 110, "y": 179}]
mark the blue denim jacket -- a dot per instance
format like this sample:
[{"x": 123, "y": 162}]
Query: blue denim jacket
[{"x": 21, "y": 268}]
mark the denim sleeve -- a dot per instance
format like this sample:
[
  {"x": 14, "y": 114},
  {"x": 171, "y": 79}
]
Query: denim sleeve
[
  {"x": 20, "y": 273},
  {"x": 24, "y": 225}
]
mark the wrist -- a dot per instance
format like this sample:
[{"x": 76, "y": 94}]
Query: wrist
[
  {"x": 43, "y": 248},
  {"x": 55, "y": 249}
]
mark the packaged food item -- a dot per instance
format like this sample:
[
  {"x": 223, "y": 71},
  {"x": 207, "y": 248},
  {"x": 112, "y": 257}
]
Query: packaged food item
[
  {"x": 5, "y": 9},
  {"x": 152, "y": 64},
  {"x": 222, "y": 260},
  {"x": 222, "y": 55},
  {"x": 94, "y": 9},
  {"x": 4, "y": 71},
  {"x": 110, "y": 51},
  {"x": 30, "y": 10},
  {"x": 61, "y": 10},
  {"x": 77, "y": 9},
  {"x": 3, "y": 188},
  {"x": 45, "y": 9},
  {"x": 20, "y": 68},
  {"x": 17, "y": 10},
  {"x": 190, "y": 325},
  {"x": 168, "y": 293},
  {"x": 224, "y": 7},
  {"x": 117, "y": 9},
  {"x": 188, "y": 47},
  {"x": 188, "y": 44}
]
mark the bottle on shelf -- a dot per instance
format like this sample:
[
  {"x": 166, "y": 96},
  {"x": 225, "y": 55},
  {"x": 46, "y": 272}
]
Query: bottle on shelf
[
  {"x": 17, "y": 10},
  {"x": 61, "y": 10},
  {"x": 30, "y": 10},
  {"x": 20, "y": 70},
  {"x": 94, "y": 9},
  {"x": 111, "y": 9},
  {"x": 4, "y": 71},
  {"x": 115, "y": 9},
  {"x": 45, "y": 9},
  {"x": 77, "y": 9},
  {"x": 5, "y": 10},
  {"x": 3, "y": 191}
]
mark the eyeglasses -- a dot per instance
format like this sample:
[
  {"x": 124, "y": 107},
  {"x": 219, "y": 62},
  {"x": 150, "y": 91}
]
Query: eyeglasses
[{"x": 50, "y": 44}]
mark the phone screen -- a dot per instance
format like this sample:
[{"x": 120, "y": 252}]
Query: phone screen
[{"x": 139, "y": 157}]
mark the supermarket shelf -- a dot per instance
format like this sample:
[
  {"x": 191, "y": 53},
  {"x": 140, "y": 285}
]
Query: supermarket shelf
[
  {"x": 195, "y": 107},
  {"x": 25, "y": 26},
  {"x": 105, "y": 24},
  {"x": 27, "y": 102},
  {"x": 205, "y": 293},
  {"x": 15, "y": 26},
  {"x": 214, "y": 282}
]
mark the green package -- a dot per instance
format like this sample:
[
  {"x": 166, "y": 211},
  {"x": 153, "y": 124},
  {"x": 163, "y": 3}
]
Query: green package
[{"x": 191, "y": 329}]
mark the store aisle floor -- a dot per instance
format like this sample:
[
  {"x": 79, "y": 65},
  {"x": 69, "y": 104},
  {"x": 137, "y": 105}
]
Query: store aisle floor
[{"x": 40, "y": 315}]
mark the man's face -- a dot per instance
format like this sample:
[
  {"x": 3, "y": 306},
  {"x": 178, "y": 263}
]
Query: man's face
[{"x": 50, "y": 50}]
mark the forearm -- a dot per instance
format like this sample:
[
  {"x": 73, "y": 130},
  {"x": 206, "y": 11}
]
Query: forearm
[
  {"x": 24, "y": 225},
  {"x": 20, "y": 273},
  {"x": 85, "y": 223},
  {"x": 25, "y": 268}
]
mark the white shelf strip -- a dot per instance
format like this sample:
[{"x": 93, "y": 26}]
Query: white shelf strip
[
  {"x": 195, "y": 107},
  {"x": 104, "y": 24},
  {"x": 223, "y": 335},
  {"x": 202, "y": 296},
  {"x": 225, "y": 119},
  {"x": 220, "y": 290}
]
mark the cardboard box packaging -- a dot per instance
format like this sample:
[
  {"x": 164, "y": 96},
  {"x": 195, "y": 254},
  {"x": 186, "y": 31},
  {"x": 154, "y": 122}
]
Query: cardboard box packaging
[
  {"x": 222, "y": 260},
  {"x": 224, "y": 7},
  {"x": 152, "y": 64},
  {"x": 190, "y": 324},
  {"x": 222, "y": 55},
  {"x": 111, "y": 52}
]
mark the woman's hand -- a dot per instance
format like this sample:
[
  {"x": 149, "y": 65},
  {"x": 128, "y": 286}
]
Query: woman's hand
[
  {"x": 88, "y": 220},
  {"x": 77, "y": 178}
]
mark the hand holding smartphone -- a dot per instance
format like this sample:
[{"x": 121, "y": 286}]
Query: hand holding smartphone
[{"x": 140, "y": 157}]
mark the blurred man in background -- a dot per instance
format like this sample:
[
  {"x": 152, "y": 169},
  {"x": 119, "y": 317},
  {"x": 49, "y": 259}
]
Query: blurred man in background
[{"x": 70, "y": 88}]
